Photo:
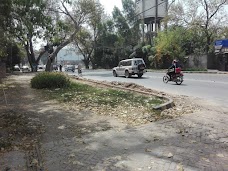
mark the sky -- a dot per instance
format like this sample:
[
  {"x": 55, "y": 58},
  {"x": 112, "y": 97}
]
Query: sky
[{"x": 109, "y": 5}]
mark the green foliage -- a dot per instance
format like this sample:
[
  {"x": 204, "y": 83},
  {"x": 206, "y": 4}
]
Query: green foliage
[
  {"x": 3, "y": 47},
  {"x": 174, "y": 43},
  {"x": 205, "y": 16},
  {"x": 14, "y": 54},
  {"x": 5, "y": 10},
  {"x": 129, "y": 11},
  {"x": 28, "y": 20},
  {"x": 29, "y": 16},
  {"x": 91, "y": 95},
  {"x": 5, "y": 22},
  {"x": 117, "y": 37},
  {"x": 50, "y": 80}
]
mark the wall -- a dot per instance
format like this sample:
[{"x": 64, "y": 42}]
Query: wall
[
  {"x": 197, "y": 61},
  {"x": 212, "y": 61}
]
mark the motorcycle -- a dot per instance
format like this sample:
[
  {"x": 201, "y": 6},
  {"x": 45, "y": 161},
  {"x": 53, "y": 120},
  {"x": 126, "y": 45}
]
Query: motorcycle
[{"x": 178, "y": 77}]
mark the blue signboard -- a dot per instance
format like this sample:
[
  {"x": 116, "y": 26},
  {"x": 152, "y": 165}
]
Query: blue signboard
[{"x": 223, "y": 43}]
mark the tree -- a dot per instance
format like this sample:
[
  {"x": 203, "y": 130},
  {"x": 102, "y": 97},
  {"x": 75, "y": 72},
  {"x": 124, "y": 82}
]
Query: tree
[
  {"x": 28, "y": 22},
  {"x": 223, "y": 33},
  {"x": 204, "y": 15},
  {"x": 105, "y": 55},
  {"x": 5, "y": 10},
  {"x": 80, "y": 13},
  {"x": 121, "y": 24},
  {"x": 85, "y": 45},
  {"x": 208, "y": 25},
  {"x": 174, "y": 43},
  {"x": 132, "y": 20},
  {"x": 118, "y": 36},
  {"x": 5, "y": 21},
  {"x": 85, "y": 40},
  {"x": 14, "y": 54}
]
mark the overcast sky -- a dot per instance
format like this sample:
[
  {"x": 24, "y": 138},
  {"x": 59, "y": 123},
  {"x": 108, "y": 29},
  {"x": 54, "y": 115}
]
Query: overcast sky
[{"x": 109, "y": 5}]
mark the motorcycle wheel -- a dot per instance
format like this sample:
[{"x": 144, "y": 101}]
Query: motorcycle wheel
[
  {"x": 179, "y": 80},
  {"x": 165, "y": 79}
]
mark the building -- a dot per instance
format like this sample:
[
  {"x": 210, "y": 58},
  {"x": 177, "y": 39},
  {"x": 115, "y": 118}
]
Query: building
[
  {"x": 68, "y": 56},
  {"x": 151, "y": 13},
  {"x": 221, "y": 52}
]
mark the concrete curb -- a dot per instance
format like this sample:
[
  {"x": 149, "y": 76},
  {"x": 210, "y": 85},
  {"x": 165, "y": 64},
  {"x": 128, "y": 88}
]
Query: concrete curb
[
  {"x": 199, "y": 72},
  {"x": 205, "y": 72},
  {"x": 166, "y": 105}
]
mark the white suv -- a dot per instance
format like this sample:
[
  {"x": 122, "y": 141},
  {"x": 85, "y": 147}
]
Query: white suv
[{"x": 129, "y": 67}]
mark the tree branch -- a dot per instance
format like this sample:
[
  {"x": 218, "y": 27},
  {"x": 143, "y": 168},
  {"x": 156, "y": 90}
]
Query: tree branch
[
  {"x": 40, "y": 55},
  {"x": 218, "y": 7},
  {"x": 68, "y": 14}
]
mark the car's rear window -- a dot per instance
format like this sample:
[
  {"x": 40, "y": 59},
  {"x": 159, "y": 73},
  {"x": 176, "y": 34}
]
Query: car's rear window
[{"x": 137, "y": 62}]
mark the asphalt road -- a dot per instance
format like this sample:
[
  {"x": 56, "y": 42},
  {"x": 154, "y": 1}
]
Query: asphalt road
[{"x": 210, "y": 87}]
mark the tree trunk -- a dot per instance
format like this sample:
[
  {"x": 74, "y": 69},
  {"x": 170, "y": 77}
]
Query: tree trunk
[
  {"x": 28, "y": 54},
  {"x": 86, "y": 62},
  {"x": 52, "y": 56},
  {"x": 33, "y": 65},
  {"x": 39, "y": 57}
]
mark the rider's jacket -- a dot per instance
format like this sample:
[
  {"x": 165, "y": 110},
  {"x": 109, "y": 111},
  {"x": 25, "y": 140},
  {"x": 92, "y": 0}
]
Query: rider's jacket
[{"x": 172, "y": 68}]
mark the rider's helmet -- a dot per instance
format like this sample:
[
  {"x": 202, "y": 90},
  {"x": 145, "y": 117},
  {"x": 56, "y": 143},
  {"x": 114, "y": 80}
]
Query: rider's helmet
[{"x": 174, "y": 61}]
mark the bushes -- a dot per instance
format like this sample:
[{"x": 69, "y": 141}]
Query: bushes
[{"x": 50, "y": 80}]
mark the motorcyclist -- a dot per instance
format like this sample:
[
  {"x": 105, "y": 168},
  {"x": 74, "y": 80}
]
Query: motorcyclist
[{"x": 172, "y": 69}]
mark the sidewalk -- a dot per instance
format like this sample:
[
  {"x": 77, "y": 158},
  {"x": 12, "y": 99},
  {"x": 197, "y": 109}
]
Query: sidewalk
[
  {"x": 195, "y": 142},
  {"x": 79, "y": 140}
]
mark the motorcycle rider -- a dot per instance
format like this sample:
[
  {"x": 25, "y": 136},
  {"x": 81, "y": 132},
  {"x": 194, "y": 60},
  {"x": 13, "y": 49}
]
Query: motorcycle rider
[{"x": 172, "y": 69}]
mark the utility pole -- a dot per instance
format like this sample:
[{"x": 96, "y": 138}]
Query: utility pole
[
  {"x": 143, "y": 9},
  {"x": 156, "y": 16}
]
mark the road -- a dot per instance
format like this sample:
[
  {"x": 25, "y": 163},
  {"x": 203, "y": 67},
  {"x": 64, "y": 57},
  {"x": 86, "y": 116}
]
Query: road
[{"x": 210, "y": 87}]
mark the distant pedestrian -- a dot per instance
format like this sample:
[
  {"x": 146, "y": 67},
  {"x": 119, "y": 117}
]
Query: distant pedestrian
[
  {"x": 60, "y": 68},
  {"x": 79, "y": 70}
]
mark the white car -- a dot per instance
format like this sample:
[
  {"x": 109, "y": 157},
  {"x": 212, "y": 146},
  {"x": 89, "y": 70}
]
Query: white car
[
  {"x": 129, "y": 67},
  {"x": 25, "y": 68},
  {"x": 70, "y": 68},
  {"x": 41, "y": 68},
  {"x": 16, "y": 68}
]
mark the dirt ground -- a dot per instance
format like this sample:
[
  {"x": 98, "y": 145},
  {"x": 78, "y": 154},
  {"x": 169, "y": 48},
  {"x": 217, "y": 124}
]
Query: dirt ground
[{"x": 28, "y": 119}]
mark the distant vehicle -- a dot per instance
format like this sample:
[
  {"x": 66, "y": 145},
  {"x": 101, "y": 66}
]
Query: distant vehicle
[
  {"x": 129, "y": 67},
  {"x": 16, "y": 68},
  {"x": 41, "y": 68},
  {"x": 25, "y": 68},
  {"x": 55, "y": 67},
  {"x": 70, "y": 68}
]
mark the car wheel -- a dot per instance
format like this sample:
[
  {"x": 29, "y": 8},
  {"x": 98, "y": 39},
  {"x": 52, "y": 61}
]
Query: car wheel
[
  {"x": 114, "y": 74},
  {"x": 127, "y": 74},
  {"x": 140, "y": 75}
]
